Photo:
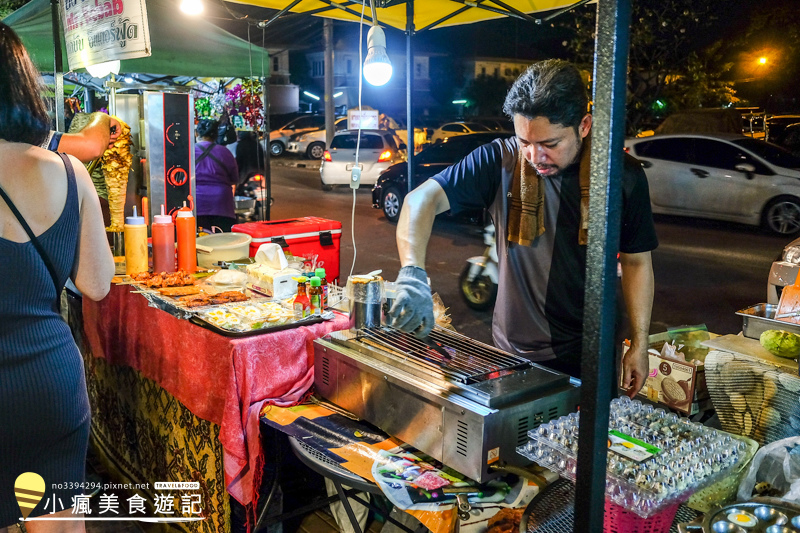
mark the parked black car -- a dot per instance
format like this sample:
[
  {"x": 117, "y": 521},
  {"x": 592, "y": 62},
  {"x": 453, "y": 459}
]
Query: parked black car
[
  {"x": 789, "y": 139},
  {"x": 776, "y": 125},
  {"x": 392, "y": 185}
]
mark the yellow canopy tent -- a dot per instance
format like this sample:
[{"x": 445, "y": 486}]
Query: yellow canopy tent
[{"x": 429, "y": 13}]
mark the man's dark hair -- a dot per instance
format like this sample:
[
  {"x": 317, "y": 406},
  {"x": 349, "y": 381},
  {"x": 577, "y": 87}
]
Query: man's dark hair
[
  {"x": 23, "y": 114},
  {"x": 552, "y": 89},
  {"x": 208, "y": 128}
]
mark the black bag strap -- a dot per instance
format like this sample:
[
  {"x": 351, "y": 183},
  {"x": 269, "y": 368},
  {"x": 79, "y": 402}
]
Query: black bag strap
[
  {"x": 207, "y": 153},
  {"x": 36, "y": 244}
]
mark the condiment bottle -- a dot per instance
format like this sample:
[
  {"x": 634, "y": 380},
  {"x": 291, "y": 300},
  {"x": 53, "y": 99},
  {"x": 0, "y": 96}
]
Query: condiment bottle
[
  {"x": 302, "y": 305},
  {"x": 315, "y": 295},
  {"x": 320, "y": 272},
  {"x": 187, "y": 239},
  {"x": 163, "y": 243},
  {"x": 135, "y": 244}
]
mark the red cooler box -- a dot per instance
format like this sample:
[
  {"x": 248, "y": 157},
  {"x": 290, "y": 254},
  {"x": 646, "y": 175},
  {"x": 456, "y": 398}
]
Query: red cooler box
[{"x": 313, "y": 238}]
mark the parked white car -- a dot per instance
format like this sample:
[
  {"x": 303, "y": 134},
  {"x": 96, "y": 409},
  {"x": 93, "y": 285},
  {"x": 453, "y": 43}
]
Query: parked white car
[
  {"x": 451, "y": 129},
  {"x": 312, "y": 143},
  {"x": 722, "y": 176},
  {"x": 279, "y": 138},
  {"x": 378, "y": 151}
]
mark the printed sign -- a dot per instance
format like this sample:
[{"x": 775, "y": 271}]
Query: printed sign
[
  {"x": 629, "y": 447},
  {"x": 366, "y": 119},
  {"x": 97, "y": 31}
]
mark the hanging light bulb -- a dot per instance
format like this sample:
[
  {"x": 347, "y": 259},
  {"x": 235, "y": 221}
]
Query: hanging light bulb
[
  {"x": 377, "y": 66},
  {"x": 101, "y": 70},
  {"x": 192, "y": 7}
]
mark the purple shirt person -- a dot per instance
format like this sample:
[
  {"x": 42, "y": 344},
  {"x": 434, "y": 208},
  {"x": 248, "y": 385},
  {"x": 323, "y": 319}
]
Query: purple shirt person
[{"x": 216, "y": 174}]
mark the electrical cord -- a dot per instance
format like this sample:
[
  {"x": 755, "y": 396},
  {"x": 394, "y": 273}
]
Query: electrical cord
[{"x": 358, "y": 133}]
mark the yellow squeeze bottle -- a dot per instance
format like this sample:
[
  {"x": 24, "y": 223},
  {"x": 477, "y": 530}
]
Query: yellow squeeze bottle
[{"x": 135, "y": 244}]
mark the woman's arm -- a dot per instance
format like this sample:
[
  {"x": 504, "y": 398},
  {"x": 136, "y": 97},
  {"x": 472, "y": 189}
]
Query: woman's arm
[{"x": 94, "y": 264}]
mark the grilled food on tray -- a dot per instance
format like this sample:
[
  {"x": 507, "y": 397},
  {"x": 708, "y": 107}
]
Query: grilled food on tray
[
  {"x": 199, "y": 300},
  {"x": 164, "y": 279},
  {"x": 180, "y": 291}
]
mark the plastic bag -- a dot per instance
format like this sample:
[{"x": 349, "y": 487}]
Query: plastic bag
[
  {"x": 691, "y": 337},
  {"x": 775, "y": 471}
]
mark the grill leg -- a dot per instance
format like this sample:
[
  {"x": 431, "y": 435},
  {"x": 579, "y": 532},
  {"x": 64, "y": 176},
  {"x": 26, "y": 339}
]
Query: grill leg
[{"x": 347, "y": 508}]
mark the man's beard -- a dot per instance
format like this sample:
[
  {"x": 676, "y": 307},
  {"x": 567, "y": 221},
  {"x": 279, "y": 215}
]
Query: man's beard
[{"x": 560, "y": 170}]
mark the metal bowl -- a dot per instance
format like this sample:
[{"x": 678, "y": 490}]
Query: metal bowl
[
  {"x": 723, "y": 526},
  {"x": 244, "y": 204},
  {"x": 780, "y": 529},
  {"x": 770, "y": 515}
]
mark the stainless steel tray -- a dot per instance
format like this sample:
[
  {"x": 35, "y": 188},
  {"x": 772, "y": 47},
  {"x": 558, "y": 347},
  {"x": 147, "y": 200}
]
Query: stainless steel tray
[{"x": 758, "y": 318}]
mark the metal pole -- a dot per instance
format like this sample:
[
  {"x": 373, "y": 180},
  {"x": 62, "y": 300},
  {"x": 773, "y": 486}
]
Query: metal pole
[
  {"x": 58, "y": 70},
  {"x": 410, "y": 90},
  {"x": 605, "y": 204},
  {"x": 329, "y": 118},
  {"x": 266, "y": 204}
]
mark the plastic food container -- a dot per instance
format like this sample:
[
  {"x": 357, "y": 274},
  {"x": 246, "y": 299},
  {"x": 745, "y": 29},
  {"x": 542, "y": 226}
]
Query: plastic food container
[
  {"x": 663, "y": 461},
  {"x": 223, "y": 247}
]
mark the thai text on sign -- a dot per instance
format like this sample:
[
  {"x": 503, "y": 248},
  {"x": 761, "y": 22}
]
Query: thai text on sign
[{"x": 96, "y": 31}]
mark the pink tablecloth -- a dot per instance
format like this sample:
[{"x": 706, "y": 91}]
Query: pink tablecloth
[{"x": 221, "y": 379}]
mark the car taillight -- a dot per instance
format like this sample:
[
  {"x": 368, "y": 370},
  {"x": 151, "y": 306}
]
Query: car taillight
[
  {"x": 257, "y": 177},
  {"x": 327, "y": 156},
  {"x": 385, "y": 156}
]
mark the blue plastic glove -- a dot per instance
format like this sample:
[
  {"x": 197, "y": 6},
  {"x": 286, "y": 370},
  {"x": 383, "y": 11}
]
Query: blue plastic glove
[{"x": 412, "y": 311}]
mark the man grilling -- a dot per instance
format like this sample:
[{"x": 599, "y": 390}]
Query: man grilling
[{"x": 536, "y": 188}]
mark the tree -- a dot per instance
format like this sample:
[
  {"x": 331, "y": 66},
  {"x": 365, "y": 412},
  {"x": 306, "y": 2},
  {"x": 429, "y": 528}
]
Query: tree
[
  {"x": 774, "y": 35},
  {"x": 9, "y": 6},
  {"x": 485, "y": 95},
  {"x": 702, "y": 84},
  {"x": 663, "y": 35}
]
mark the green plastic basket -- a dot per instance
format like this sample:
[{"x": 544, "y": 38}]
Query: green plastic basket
[{"x": 724, "y": 491}]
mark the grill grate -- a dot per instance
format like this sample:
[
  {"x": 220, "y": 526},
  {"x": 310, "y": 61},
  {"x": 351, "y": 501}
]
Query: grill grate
[{"x": 470, "y": 361}]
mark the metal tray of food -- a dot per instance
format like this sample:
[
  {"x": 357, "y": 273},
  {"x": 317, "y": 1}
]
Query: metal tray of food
[
  {"x": 758, "y": 318},
  {"x": 257, "y": 331}
]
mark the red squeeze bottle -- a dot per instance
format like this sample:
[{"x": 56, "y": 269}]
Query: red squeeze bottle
[
  {"x": 187, "y": 239},
  {"x": 163, "y": 243}
]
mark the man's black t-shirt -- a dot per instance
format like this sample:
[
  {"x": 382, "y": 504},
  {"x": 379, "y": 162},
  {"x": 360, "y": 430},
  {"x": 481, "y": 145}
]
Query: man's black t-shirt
[{"x": 539, "y": 309}]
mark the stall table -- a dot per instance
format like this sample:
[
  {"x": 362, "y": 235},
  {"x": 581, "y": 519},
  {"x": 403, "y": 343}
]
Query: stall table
[{"x": 172, "y": 401}]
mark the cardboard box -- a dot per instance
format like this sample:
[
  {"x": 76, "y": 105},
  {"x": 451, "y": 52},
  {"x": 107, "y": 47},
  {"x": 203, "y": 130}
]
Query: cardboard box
[{"x": 675, "y": 384}]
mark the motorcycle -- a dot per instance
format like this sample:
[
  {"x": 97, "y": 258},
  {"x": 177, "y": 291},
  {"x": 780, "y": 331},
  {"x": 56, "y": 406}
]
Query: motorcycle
[
  {"x": 478, "y": 280},
  {"x": 249, "y": 197}
]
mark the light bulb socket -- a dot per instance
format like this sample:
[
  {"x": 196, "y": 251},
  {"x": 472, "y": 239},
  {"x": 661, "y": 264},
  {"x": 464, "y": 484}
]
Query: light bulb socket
[{"x": 376, "y": 37}]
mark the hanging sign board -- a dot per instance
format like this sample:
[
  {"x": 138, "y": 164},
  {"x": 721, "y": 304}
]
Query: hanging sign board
[
  {"x": 96, "y": 31},
  {"x": 366, "y": 119}
]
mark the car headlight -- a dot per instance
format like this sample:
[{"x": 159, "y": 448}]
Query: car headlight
[
  {"x": 301, "y": 138},
  {"x": 792, "y": 254}
]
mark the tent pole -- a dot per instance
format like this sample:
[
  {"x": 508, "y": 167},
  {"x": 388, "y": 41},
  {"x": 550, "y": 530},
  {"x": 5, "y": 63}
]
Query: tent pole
[
  {"x": 58, "y": 67},
  {"x": 266, "y": 204},
  {"x": 605, "y": 206},
  {"x": 409, "y": 90},
  {"x": 329, "y": 118}
]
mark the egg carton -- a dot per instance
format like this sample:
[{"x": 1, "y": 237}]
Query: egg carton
[{"x": 691, "y": 456}]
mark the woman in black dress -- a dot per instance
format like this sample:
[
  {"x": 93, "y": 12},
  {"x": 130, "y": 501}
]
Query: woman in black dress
[{"x": 44, "y": 413}]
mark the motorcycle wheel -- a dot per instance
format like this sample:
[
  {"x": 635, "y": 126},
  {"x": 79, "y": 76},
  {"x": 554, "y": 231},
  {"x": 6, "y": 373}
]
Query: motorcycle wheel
[{"x": 478, "y": 294}]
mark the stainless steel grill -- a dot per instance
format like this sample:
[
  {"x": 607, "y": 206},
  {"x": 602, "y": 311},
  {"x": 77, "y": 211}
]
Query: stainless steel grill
[
  {"x": 470, "y": 362},
  {"x": 460, "y": 401}
]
